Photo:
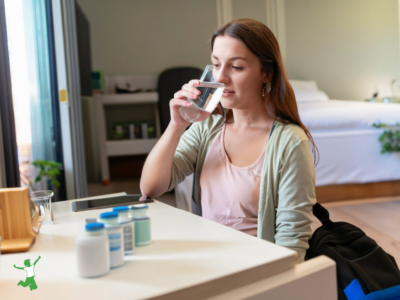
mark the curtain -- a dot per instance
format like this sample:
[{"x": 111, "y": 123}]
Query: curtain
[
  {"x": 6, "y": 108},
  {"x": 62, "y": 193},
  {"x": 36, "y": 33}
]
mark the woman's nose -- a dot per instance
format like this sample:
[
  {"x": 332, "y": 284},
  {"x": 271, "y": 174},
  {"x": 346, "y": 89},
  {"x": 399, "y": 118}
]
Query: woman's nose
[{"x": 221, "y": 75}]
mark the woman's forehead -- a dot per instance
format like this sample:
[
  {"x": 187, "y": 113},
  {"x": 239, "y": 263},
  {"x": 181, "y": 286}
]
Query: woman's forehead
[{"x": 226, "y": 47}]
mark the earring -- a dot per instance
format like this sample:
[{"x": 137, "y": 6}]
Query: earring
[
  {"x": 263, "y": 89},
  {"x": 268, "y": 85}
]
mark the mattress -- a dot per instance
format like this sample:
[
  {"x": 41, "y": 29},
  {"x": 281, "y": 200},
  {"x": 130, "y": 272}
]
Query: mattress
[
  {"x": 353, "y": 156},
  {"x": 348, "y": 144}
]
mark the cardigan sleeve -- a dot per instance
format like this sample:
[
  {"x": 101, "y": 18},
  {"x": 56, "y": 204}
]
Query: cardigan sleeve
[
  {"x": 296, "y": 199},
  {"x": 192, "y": 148},
  {"x": 185, "y": 156}
]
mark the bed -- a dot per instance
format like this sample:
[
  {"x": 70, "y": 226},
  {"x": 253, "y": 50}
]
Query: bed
[
  {"x": 348, "y": 143},
  {"x": 350, "y": 163}
]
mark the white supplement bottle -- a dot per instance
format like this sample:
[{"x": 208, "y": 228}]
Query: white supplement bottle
[
  {"x": 92, "y": 251},
  {"x": 116, "y": 238},
  {"x": 128, "y": 228}
]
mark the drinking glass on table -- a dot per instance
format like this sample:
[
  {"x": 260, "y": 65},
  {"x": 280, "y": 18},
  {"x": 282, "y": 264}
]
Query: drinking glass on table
[
  {"x": 207, "y": 101},
  {"x": 42, "y": 200}
]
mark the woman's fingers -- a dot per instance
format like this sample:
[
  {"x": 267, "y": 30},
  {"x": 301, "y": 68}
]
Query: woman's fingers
[
  {"x": 190, "y": 87},
  {"x": 178, "y": 102},
  {"x": 194, "y": 82},
  {"x": 188, "y": 90},
  {"x": 180, "y": 99},
  {"x": 175, "y": 105},
  {"x": 182, "y": 94}
]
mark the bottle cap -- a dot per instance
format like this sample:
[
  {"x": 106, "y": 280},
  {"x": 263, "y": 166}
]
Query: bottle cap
[
  {"x": 94, "y": 226},
  {"x": 121, "y": 209},
  {"x": 140, "y": 206},
  {"x": 109, "y": 215}
]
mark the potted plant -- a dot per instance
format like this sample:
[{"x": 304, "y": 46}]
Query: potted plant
[
  {"x": 390, "y": 138},
  {"x": 49, "y": 170}
]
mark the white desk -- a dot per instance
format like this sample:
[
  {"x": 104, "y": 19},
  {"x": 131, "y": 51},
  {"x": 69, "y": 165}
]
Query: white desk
[{"x": 189, "y": 258}]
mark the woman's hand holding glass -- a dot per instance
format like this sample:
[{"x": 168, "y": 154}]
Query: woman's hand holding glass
[
  {"x": 180, "y": 99},
  {"x": 201, "y": 99}
]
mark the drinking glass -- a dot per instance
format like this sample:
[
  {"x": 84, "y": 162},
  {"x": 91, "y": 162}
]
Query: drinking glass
[
  {"x": 42, "y": 200},
  {"x": 207, "y": 101}
]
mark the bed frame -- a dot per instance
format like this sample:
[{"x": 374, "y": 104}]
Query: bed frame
[{"x": 343, "y": 192}]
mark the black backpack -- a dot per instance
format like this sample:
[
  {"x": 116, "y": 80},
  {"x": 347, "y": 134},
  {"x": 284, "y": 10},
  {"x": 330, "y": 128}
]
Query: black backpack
[{"x": 362, "y": 267}]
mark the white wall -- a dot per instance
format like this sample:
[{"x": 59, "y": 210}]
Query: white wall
[
  {"x": 144, "y": 37},
  {"x": 252, "y": 9},
  {"x": 350, "y": 47}
]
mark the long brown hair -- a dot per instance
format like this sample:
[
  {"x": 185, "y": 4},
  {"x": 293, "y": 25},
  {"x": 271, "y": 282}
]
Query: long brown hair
[{"x": 260, "y": 40}]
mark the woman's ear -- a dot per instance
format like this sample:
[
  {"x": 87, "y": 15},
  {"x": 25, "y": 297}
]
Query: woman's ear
[{"x": 267, "y": 77}]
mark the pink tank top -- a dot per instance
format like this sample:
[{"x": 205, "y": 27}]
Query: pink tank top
[{"x": 229, "y": 194}]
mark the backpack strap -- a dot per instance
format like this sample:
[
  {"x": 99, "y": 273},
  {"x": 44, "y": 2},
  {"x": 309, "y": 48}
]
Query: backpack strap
[{"x": 321, "y": 213}]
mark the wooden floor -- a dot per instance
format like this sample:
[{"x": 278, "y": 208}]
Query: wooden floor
[{"x": 379, "y": 218}]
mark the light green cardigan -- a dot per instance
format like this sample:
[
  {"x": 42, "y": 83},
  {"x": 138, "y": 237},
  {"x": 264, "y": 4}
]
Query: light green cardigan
[{"x": 287, "y": 189}]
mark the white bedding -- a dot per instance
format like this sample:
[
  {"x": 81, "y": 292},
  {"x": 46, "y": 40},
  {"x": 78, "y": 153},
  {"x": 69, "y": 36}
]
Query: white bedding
[
  {"x": 348, "y": 144},
  {"x": 339, "y": 114},
  {"x": 353, "y": 156}
]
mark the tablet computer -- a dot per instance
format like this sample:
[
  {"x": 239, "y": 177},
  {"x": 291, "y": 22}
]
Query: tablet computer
[{"x": 106, "y": 202}]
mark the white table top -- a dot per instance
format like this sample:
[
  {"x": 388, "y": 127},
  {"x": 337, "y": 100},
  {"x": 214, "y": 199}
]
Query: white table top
[{"x": 190, "y": 258}]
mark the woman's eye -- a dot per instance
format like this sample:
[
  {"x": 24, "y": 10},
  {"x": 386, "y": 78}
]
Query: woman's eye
[
  {"x": 237, "y": 68},
  {"x": 216, "y": 65}
]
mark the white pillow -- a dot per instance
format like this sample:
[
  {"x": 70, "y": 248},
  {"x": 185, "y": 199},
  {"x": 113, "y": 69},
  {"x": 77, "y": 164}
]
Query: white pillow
[
  {"x": 307, "y": 91},
  {"x": 308, "y": 95},
  {"x": 307, "y": 84}
]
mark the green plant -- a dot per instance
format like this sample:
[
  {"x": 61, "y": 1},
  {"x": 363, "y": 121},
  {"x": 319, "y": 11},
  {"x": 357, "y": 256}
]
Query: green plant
[
  {"x": 49, "y": 169},
  {"x": 390, "y": 138}
]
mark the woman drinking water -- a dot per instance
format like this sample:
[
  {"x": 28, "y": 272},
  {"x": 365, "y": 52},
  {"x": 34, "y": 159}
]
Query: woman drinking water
[{"x": 253, "y": 165}]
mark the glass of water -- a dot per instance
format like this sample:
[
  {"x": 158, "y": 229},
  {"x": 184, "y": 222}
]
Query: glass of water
[
  {"x": 42, "y": 200},
  {"x": 207, "y": 101}
]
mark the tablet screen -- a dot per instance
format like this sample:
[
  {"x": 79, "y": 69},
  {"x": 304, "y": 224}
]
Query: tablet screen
[{"x": 109, "y": 202}]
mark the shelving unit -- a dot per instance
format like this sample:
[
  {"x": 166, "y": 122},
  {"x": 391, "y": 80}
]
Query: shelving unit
[{"x": 108, "y": 147}]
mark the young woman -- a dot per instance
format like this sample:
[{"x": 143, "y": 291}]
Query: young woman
[{"x": 253, "y": 166}]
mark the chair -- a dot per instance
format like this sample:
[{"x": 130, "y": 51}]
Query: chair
[{"x": 169, "y": 82}]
